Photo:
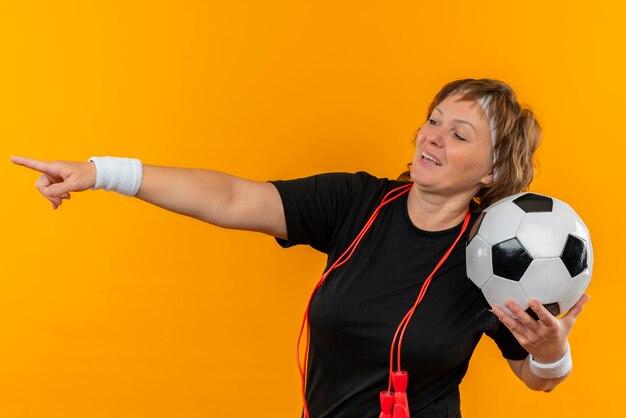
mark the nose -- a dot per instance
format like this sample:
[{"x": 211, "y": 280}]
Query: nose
[{"x": 434, "y": 136}]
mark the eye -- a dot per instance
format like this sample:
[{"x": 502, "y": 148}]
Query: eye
[
  {"x": 432, "y": 121},
  {"x": 459, "y": 137}
]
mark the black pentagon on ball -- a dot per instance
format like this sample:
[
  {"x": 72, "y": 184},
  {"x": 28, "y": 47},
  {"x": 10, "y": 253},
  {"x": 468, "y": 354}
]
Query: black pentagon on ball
[
  {"x": 531, "y": 202},
  {"x": 510, "y": 259},
  {"x": 574, "y": 255}
]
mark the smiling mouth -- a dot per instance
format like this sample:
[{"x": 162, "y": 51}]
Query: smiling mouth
[{"x": 430, "y": 158}]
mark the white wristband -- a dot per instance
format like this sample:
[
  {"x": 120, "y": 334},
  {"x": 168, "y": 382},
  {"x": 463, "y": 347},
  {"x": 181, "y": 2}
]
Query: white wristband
[
  {"x": 552, "y": 370},
  {"x": 122, "y": 175}
]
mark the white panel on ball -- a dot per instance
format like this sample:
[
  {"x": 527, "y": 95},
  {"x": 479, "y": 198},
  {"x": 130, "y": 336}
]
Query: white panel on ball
[
  {"x": 573, "y": 224},
  {"x": 546, "y": 279},
  {"x": 575, "y": 291},
  {"x": 498, "y": 290},
  {"x": 478, "y": 261},
  {"x": 501, "y": 224},
  {"x": 542, "y": 235}
]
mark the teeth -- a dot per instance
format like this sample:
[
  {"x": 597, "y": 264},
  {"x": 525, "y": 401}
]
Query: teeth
[{"x": 430, "y": 158}]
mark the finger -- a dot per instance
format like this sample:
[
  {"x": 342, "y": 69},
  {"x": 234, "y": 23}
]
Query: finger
[
  {"x": 521, "y": 315},
  {"x": 573, "y": 313},
  {"x": 37, "y": 165},
  {"x": 56, "y": 202},
  {"x": 58, "y": 189},
  {"x": 42, "y": 185},
  {"x": 517, "y": 328},
  {"x": 545, "y": 317},
  {"x": 504, "y": 317}
]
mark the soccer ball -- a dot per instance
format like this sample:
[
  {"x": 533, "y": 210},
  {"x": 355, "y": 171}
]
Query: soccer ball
[{"x": 530, "y": 246}]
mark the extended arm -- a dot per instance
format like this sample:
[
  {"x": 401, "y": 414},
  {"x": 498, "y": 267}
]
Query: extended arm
[{"x": 211, "y": 196}]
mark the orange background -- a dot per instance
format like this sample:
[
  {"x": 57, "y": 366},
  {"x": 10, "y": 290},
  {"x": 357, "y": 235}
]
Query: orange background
[{"x": 110, "y": 307}]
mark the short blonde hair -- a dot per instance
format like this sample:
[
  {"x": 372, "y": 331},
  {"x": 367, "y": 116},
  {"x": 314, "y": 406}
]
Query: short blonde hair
[{"x": 518, "y": 135}]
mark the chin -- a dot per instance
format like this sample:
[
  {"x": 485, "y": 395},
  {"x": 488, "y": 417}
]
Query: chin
[
  {"x": 420, "y": 180},
  {"x": 418, "y": 176}
]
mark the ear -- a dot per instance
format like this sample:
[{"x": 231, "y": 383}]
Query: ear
[{"x": 487, "y": 179}]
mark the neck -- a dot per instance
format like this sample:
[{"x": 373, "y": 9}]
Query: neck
[{"x": 431, "y": 212}]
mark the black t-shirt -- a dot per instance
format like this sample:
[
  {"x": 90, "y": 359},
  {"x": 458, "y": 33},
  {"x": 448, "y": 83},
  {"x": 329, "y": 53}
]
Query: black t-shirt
[{"x": 355, "y": 313}]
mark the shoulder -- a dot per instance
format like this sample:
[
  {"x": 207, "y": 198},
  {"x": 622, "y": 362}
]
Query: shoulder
[
  {"x": 336, "y": 182},
  {"x": 317, "y": 206}
]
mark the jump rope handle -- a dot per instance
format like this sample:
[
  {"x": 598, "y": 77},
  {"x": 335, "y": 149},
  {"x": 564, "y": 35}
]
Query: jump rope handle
[
  {"x": 395, "y": 404},
  {"x": 400, "y": 381},
  {"x": 386, "y": 404}
]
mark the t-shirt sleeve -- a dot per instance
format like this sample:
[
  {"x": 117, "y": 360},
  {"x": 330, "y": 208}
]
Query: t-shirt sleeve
[
  {"x": 508, "y": 345},
  {"x": 315, "y": 206}
]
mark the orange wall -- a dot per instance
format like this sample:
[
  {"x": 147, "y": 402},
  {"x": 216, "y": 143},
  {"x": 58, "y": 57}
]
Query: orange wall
[{"x": 110, "y": 307}]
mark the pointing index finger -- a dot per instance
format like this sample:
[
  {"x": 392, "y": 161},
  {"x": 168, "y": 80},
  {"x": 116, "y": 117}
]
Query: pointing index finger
[{"x": 37, "y": 165}]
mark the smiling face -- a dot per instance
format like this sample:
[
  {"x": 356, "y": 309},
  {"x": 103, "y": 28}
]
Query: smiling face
[{"x": 453, "y": 151}]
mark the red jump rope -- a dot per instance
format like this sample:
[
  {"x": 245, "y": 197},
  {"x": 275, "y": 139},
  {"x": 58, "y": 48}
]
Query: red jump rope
[{"x": 394, "y": 403}]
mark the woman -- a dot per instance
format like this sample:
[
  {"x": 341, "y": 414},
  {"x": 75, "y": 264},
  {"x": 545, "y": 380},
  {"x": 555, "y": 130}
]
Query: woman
[{"x": 475, "y": 147}]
